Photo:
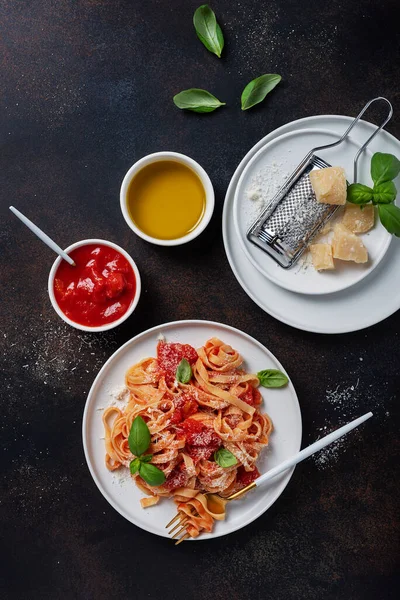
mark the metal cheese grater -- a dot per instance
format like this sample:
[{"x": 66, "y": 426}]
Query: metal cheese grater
[{"x": 294, "y": 216}]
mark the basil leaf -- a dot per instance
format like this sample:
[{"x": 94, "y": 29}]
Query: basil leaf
[
  {"x": 389, "y": 215},
  {"x": 151, "y": 474},
  {"x": 184, "y": 371},
  {"x": 197, "y": 100},
  {"x": 272, "y": 378},
  {"x": 357, "y": 193},
  {"x": 146, "y": 458},
  {"x": 207, "y": 29},
  {"x": 256, "y": 90},
  {"x": 134, "y": 465},
  {"x": 139, "y": 437},
  {"x": 384, "y": 193},
  {"x": 384, "y": 167},
  {"x": 225, "y": 458}
]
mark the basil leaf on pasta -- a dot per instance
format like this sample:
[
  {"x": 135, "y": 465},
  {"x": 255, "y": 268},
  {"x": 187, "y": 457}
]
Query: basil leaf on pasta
[
  {"x": 225, "y": 458},
  {"x": 184, "y": 371},
  {"x": 139, "y": 437},
  {"x": 272, "y": 378},
  {"x": 134, "y": 466},
  {"x": 146, "y": 458},
  {"x": 151, "y": 474}
]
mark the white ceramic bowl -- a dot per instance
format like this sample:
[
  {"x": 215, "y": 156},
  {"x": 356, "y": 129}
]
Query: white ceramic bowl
[
  {"x": 185, "y": 160},
  {"x": 107, "y": 325}
]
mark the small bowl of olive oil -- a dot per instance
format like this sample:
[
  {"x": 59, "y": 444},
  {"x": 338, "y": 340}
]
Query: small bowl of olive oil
[{"x": 167, "y": 198}]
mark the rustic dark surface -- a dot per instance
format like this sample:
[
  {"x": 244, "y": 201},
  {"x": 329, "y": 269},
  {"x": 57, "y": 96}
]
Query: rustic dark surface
[{"x": 87, "y": 89}]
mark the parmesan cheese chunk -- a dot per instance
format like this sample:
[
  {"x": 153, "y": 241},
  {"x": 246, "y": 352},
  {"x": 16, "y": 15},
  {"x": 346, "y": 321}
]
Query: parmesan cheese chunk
[
  {"x": 320, "y": 238},
  {"x": 357, "y": 219},
  {"x": 321, "y": 255},
  {"x": 327, "y": 228},
  {"x": 347, "y": 246},
  {"x": 329, "y": 185}
]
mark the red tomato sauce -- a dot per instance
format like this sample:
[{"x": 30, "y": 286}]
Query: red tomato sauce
[
  {"x": 169, "y": 355},
  {"x": 246, "y": 477},
  {"x": 252, "y": 396},
  {"x": 201, "y": 441},
  {"x": 185, "y": 406},
  {"x": 99, "y": 289},
  {"x": 177, "y": 478}
]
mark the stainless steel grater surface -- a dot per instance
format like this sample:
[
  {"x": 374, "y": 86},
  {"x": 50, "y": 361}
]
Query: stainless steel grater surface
[{"x": 294, "y": 216}]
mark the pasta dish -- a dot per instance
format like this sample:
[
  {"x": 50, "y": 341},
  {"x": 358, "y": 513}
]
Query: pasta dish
[{"x": 201, "y": 412}]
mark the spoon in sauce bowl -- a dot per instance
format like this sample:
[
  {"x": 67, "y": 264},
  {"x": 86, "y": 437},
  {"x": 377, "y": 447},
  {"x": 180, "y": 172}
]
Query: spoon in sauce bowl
[{"x": 42, "y": 236}]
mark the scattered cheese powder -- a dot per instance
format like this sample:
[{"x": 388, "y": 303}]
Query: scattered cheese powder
[
  {"x": 347, "y": 402},
  {"x": 262, "y": 188},
  {"x": 119, "y": 393}
]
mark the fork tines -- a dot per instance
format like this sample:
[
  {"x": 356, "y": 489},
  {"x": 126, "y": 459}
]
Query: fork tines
[{"x": 179, "y": 522}]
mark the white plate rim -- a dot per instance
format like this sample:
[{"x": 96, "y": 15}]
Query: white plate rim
[
  {"x": 225, "y": 214},
  {"x": 269, "y": 275},
  {"x": 161, "y": 329}
]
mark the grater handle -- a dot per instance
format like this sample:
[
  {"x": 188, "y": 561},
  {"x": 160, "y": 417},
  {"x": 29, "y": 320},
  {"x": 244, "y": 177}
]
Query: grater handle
[
  {"x": 375, "y": 132},
  {"x": 346, "y": 133}
]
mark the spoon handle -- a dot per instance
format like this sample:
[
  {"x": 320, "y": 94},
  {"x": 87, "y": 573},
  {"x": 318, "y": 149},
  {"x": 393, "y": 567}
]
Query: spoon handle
[{"x": 42, "y": 236}]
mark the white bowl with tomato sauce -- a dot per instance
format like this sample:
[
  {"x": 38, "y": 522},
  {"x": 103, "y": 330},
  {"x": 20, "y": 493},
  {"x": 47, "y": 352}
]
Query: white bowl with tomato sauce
[{"x": 101, "y": 291}]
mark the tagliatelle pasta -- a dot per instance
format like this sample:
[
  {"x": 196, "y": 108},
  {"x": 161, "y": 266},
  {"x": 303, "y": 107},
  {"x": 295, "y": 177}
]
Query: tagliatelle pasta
[{"x": 188, "y": 423}]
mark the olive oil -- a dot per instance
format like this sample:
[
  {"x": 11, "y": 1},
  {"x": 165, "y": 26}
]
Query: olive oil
[{"x": 166, "y": 200}]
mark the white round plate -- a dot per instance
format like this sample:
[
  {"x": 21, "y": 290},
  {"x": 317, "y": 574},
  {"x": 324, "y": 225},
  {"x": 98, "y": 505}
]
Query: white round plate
[
  {"x": 281, "y": 404},
  {"x": 277, "y": 159},
  {"x": 360, "y": 306}
]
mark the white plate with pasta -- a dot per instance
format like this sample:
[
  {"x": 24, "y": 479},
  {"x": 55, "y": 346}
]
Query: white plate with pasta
[{"x": 210, "y": 426}]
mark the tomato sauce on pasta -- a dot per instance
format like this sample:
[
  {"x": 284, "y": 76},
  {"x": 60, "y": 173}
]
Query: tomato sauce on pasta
[{"x": 188, "y": 423}]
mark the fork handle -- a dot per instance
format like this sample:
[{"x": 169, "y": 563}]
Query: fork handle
[
  {"x": 302, "y": 455},
  {"x": 315, "y": 447}
]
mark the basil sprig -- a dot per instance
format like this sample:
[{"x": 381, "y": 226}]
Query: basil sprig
[
  {"x": 151, "y": 474},
  {"x": 272, "y": 378},
  {"x": 139, "y": 440},
  {"x": 384, "y": 168},
  {"x": 207, "y": 29},
  {"x": 389, "y": 215},
  {"x": 225, "y": 458},
  {"x": 256, "y": 90},
  {"x": 197, "y": 100},
  {"x": 139, "y": 437},
  {"x": 184, "y": 371},
  {"x": 384, "y": 193},
  {"x": 134, "y": 465},
  {"x": 357, "y": 193}
]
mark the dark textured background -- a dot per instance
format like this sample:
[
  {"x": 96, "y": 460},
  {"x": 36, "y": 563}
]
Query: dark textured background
[{"x": 86, "y": 90}]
